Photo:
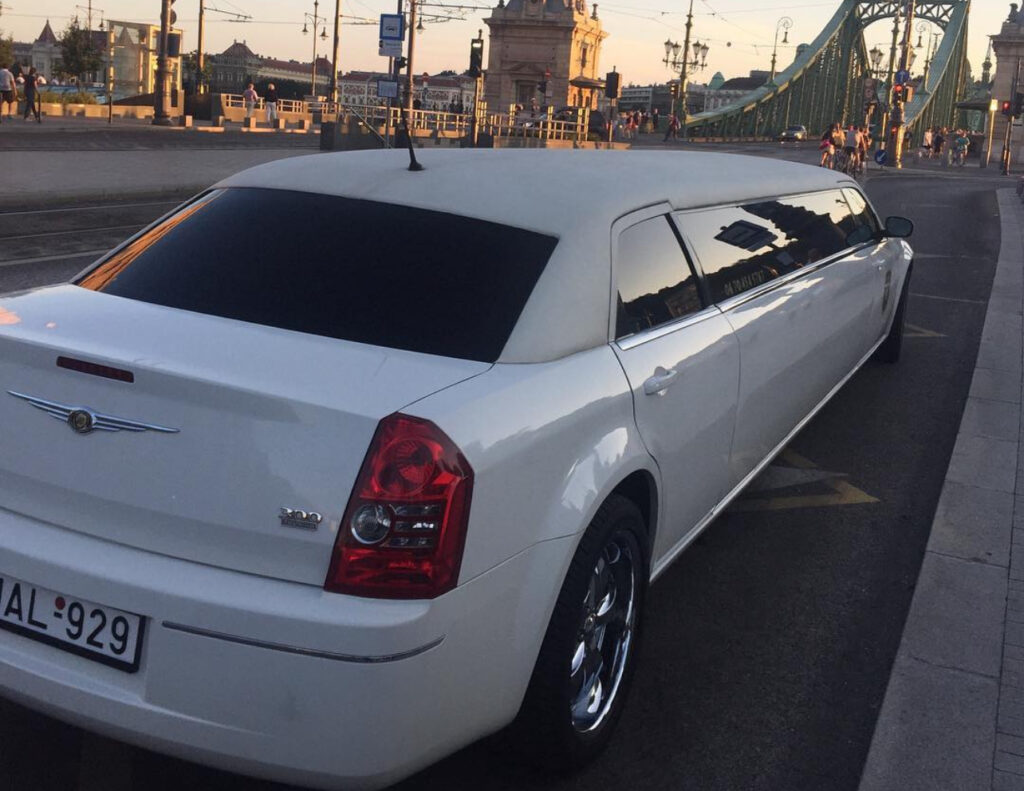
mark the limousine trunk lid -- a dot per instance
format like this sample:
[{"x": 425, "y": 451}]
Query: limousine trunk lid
[{"x": 222, "y": 425}]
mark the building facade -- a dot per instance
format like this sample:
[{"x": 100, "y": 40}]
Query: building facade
[
  {"x": 442, "y": 92},
  {"x": 237, "y": 66},
  {"x": 543, "y": 53}
]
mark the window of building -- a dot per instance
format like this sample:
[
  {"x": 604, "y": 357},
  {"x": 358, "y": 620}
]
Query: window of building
[{"x": 654, "y": 280}]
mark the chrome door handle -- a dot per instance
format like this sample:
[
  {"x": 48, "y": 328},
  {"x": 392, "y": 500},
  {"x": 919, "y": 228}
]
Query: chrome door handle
[{"x": 661, "y": 381}]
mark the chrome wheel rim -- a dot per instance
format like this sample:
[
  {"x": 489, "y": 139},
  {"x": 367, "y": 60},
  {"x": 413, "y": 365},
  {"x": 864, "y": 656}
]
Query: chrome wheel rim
[{"x": 604, "y": 634}]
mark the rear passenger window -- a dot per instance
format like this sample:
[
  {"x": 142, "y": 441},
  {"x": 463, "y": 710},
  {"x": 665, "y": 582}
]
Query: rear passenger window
[
  {"x": 655, "y": 282},
  {"x": 743, "y": 247}
]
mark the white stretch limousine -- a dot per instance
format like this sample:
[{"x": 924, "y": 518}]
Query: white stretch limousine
[{"x": 338, "y": 467}]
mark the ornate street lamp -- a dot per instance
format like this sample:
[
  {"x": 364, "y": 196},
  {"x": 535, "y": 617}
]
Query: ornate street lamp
[
  {"x": 784, "y": 24},
  {"x": 876, "y": 58},
  {"x": 320, "y": 23},
  {"x": 685, "y": 58}
]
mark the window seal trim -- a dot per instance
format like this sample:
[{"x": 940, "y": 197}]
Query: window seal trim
[{"x": 628, "y": 342}]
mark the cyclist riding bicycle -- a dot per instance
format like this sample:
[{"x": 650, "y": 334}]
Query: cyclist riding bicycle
[
  {"x": 828, "y": 147},
  {"x": 960, "y": 145},
  {"x": 851, "y": 145}
]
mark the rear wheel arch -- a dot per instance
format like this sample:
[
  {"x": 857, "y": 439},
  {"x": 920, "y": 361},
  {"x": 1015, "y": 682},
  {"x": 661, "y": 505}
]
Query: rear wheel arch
[{"x": 640, "y": 488}]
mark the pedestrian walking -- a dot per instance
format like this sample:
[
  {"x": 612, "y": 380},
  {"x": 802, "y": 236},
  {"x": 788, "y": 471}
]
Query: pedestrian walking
[
  {"x": 32, "y": 94},
  {"x": 938, "y": 141},
  {"x": 673, "y": 128},
  {"x": 655, "y": 117},
  {"x": 925, "y": 151},
  {"x": 249, "y": 96},
  {"x": 8, "y": 94},
  {"x": 270, "y": 102}
]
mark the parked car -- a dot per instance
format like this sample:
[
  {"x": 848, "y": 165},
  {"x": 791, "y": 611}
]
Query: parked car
[
  {"x": 338, "y": 468},
  {"x": 793, "y": 133}
]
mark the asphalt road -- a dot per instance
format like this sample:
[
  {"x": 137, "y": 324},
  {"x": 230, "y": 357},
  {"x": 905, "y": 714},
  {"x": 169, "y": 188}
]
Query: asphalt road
[{"x": 769, "y": 643}]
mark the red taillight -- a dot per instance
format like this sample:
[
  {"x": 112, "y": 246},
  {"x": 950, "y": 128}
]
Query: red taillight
[{"x": 405, "y": 525}]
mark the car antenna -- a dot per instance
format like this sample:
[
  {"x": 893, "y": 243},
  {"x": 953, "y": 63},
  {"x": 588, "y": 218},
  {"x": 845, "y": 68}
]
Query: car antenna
[{"x": 413, "y": 164}]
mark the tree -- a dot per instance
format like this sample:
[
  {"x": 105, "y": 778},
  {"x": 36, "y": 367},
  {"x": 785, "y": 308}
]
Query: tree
[
  {"x": 79, "y": 55},
  {"x": 6, "y": 50}
]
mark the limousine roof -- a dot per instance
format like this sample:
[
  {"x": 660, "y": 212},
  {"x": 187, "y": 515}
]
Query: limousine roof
[
  {"x": 540, "y": 189},
  {"x": 574, "y": 195}
]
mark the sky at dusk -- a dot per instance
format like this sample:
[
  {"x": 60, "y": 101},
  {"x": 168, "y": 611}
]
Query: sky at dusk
[{"x": 739, "y": 33}]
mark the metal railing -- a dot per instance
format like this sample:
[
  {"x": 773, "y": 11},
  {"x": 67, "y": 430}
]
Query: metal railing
[{"x": 438, "y": 123}]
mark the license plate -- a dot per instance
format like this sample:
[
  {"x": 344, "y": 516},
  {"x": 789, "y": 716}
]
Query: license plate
[{"x": 104, "y": 634}]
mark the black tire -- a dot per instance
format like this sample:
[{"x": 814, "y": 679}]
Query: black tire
[
  {"x": 889, "y": 350},
  {"x": 547, "y": 732}
]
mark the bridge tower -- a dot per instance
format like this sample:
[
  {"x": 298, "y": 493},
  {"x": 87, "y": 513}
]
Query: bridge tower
[{"x": 533, "y": 42}]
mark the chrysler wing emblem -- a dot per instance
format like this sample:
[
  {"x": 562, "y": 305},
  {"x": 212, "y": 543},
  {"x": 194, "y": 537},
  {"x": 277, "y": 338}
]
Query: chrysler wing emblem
[{"x": 84, "y": 420}]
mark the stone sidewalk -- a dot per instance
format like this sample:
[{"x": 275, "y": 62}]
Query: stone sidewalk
[{"x": 953, "y": 714}]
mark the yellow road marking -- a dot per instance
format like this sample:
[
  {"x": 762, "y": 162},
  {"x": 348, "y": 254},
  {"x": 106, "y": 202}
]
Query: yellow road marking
[
  {"x": 841, "y": 492},
  {"x": 913, "y": 331}
]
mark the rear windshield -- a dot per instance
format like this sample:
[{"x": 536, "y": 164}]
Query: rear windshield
[{"x": 357, "y": 270}]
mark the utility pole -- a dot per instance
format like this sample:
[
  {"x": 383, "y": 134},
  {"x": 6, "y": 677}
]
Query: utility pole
[
  {"x": 899, "y": 126},
  {"x": 334, "y": 53},
  {"x": 162, "y": 94},
  {"x": 683, "y": 70},
  {"x": 200, "y": 82},
  {"x": 888, "y": 84},
  {"x": 409, "y": 65}
]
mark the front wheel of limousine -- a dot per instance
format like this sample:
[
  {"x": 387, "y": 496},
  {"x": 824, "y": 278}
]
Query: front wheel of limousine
[
  {"x": 889, "y": 350},
  {"x": 586, "y": 661}
]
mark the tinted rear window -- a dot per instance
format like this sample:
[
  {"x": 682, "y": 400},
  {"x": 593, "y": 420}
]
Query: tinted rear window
[{"x": 358, "y": 270}]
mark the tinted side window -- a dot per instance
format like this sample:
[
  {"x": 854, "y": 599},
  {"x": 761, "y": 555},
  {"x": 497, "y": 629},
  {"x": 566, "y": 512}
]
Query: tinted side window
[
  {"x": 655, "y": 282},
  {"x": 357, "y": 270},
  {"x": 742, "y": 247},
  {"x": 867, "y": 227}
]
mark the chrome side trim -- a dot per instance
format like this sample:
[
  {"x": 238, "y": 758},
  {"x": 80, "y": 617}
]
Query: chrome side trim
[
  {"x": 640, "y": 338},
  {"x": 789, "y": 277},
  {"x": 293, "y": 649},
  {"x": 686, "y": 540}
]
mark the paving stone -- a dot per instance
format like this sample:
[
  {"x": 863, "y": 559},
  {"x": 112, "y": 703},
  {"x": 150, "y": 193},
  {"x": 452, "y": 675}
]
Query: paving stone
[
  {"x": 1010, "y": 744},
  {"x": 1008, "y": 762},
  {"x": 996, "y": 385},
  {"x": 1005, "y": 781},
  {"x": 974, "y": 524},
  {"x": 985, "y": 418},
  {"x": 936, "y": 731},
  {"x": 956, "y": 617},
  {"x": 985, "y": 462}
]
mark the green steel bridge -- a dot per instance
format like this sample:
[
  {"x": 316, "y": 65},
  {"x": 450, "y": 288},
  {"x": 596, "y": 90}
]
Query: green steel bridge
[{"x": 826, "y": 81}]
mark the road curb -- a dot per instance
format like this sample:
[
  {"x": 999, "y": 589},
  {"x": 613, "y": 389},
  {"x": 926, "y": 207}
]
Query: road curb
[{"x": 937, "y": 725}]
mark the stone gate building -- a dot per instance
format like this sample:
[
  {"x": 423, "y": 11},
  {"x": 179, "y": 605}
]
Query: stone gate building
[{"x": 533, "y": 42}]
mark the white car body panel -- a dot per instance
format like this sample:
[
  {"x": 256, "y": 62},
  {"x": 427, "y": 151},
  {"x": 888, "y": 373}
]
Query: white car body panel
[{"x": 248, "y": 663}]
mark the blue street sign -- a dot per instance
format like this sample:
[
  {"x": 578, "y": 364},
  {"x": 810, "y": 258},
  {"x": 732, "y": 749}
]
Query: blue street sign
[
  {"x": 392, "y": 27},
  {"x": 902, "y": 77},
  {"x": 880, "y": 157}
]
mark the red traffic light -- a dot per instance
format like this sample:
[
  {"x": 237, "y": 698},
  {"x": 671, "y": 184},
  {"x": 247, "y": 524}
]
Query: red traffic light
[{"x": 1005, "y": 107}]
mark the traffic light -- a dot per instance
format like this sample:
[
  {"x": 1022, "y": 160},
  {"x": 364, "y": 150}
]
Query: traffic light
[
  {"x": 1018, "y": 105},
  {"x": 476, "y": 57},
  {"x": 400, "y": 63},
  {"x": 908, "y": 93},
  {"x": 673, "y": 89},
  {"x": 1006, "y": 107},
  {"x": 542, "y": 87},
  {"x": 897, "y": 92},
  {"x": 611, "y": 85}
]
